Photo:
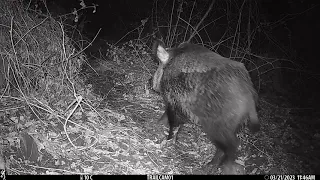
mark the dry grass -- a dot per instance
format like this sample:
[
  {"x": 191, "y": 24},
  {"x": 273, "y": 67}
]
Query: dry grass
[{"x": 54, "y": 123}]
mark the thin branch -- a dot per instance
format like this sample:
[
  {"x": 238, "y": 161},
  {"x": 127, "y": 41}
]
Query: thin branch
[{"x": 205, "y": 15}]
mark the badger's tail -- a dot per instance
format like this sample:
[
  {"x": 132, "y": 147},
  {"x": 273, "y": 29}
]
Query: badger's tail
[{"x": 254, "y": 124}]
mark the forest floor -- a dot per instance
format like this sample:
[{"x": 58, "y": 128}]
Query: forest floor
[{"x": 118, "y": 133}]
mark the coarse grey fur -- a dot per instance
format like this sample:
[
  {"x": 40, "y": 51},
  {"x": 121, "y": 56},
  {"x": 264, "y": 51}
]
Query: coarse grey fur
[{"x": 209, "y": 90}]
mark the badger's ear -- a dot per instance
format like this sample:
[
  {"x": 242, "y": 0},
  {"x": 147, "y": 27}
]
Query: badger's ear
[
  {"x": 155, "y": 45},
  {"x": 162, "y": 54},
  {"x": 159, "y": 51}
]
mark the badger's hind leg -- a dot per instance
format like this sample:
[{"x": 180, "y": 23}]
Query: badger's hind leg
[{"x": 221, "y": 133}]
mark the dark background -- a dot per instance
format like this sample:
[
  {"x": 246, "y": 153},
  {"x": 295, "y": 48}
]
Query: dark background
[
  {"x": 293, "y": 27},
  {"x": 117, "y": 17}
]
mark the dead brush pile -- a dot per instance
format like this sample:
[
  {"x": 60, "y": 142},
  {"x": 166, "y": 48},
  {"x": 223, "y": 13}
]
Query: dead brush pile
[
  {"x": 38, "y": 80},
  {"x": 36, "y": 54},
  {"x": 50, "y": 121}
]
